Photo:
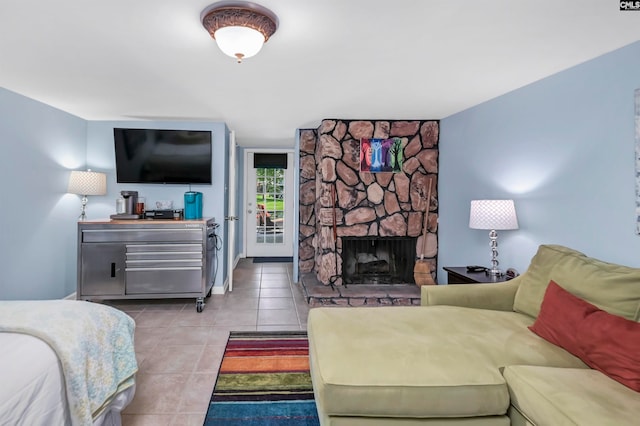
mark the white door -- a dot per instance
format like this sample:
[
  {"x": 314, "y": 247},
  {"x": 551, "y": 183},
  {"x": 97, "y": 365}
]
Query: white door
[
  {"x": 268, "y": 205},
  {"x": 232, "y": 217}
]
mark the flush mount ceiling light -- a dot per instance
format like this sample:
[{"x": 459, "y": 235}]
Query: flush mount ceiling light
[{"x": 239, "y": 28}]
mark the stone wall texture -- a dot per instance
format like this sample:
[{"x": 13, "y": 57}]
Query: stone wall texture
[{"x": 337, "y": 199}]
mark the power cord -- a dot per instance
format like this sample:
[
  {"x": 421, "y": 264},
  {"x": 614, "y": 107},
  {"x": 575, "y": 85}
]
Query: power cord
[{"x": 217, "y": 246}]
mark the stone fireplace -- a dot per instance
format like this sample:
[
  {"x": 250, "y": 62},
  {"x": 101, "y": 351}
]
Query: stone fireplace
[{"x": 338, "y": 202}]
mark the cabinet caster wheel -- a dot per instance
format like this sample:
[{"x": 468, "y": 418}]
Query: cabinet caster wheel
[{"x": 199, "y": 306}]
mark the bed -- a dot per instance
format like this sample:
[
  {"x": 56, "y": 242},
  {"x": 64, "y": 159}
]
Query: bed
[{"x": 65, "y": 362}]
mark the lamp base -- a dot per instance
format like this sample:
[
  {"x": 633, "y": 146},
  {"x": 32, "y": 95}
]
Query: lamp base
[
  {"x": 493, "y": 242},
  {"x": 495, "y": 272},
  {"x": 83, "y": 213}
]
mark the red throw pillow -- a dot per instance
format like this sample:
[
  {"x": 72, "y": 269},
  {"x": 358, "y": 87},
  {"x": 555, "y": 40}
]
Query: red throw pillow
[
  {"x": 611, "y": 344},
  {"x": 605, "y": 342},
  {"x": 561, "y": 314}
]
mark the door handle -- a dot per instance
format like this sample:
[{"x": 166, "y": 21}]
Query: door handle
[{"x": 231, "y": 217}]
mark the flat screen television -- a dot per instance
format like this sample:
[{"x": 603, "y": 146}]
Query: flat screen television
[{"x": 162, "y": 156}]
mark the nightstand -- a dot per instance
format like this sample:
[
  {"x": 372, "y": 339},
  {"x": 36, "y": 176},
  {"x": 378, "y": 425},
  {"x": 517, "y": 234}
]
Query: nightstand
[{"x": 459, "y": 275}]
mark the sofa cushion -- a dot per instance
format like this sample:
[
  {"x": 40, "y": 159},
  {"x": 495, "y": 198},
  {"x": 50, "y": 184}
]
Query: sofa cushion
[
  {"x": 613, "y": 288},
  {"x": 534, "y": 281},
  {"x": 611, "y": 344},
  {"x": 435, "y": 361},
  {"x": 569, "y": 396},
  {"x": 560, "y": 318}
]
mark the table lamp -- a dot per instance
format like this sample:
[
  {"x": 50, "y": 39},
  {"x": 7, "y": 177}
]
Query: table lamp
[
  {"x": 493, "y": 215},
  {"x": 87, "y": 183}
]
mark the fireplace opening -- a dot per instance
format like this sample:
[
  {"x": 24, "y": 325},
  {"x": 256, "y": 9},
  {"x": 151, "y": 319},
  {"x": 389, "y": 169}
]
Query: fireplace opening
[{"x": 378, "y": 260}]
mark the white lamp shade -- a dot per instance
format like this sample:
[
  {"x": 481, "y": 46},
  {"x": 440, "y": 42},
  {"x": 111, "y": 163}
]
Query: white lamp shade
[
  {"x": 87, "y": 183},
  {"x": 236, "y": 41},
  {"x": 493, "y": 214}
]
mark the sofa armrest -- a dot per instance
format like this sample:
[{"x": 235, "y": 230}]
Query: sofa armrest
[{"x": 498, "y": 297}]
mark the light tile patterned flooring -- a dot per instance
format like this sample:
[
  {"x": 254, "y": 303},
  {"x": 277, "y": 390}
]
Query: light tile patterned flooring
[{"x": 179, "y": 350}]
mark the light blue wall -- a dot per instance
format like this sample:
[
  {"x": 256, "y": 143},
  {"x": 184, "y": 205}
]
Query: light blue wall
[
  {"x": 101, "y": 156},
  {"x": 39, "y": 145},
  {"x": 563, "y": 149}
]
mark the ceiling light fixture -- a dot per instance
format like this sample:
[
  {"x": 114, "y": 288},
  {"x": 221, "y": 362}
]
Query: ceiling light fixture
[{"x": 239, "y": 28}]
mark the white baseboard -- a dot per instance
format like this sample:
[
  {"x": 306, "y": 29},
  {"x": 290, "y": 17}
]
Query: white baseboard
[
  {"x": 220, "y": 289},
  {"x": 225, "y": 285},
  {"x": 72, "y": 296}
]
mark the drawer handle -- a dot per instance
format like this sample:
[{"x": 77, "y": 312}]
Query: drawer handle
[
  {"x": 147, "y": 261},
  {"x": 171, "y": 268},
  {"x": 113, "y": 270}
]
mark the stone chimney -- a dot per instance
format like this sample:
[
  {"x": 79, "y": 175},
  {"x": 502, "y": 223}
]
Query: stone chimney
[{"x": 338, "y": 200}]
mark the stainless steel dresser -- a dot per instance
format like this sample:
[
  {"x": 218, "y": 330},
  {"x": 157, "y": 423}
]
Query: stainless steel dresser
[{"x": 146, "y": 259}]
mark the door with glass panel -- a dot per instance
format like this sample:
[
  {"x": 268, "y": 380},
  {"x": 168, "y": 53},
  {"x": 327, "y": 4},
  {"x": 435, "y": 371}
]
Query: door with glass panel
[{"x": 269, "y": 203}]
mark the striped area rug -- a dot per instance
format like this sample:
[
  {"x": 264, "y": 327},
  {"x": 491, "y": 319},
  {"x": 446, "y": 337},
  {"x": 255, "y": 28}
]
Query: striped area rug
[{"x": 264, "y": 381}]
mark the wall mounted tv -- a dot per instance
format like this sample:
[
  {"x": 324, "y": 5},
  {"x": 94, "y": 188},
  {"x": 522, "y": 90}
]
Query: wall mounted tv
[{"x": 162, "y": 156}]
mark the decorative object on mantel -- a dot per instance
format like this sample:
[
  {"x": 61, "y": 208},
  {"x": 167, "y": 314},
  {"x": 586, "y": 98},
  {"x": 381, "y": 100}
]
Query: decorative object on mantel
[
  {"x": 493, "y": 215},
  {"x": 87, "y": 183},
  {"x": 422, "y": 268},
  {"x": 637, "y": 121},
  {"x": 239, "y": 28},
  {"x": 381, "y": 155}
]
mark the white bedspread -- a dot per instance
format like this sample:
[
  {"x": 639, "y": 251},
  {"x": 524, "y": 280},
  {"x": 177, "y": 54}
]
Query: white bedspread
[
  {"x": 32, "y": 391},
  {"x": 94, "y": 344}
]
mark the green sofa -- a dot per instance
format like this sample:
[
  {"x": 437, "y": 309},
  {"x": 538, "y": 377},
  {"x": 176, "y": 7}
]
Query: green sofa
[{"x": 467, "y": 356}]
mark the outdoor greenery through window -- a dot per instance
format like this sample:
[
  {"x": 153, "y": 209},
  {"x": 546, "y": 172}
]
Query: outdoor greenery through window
[{"x": 270, "y": 204}]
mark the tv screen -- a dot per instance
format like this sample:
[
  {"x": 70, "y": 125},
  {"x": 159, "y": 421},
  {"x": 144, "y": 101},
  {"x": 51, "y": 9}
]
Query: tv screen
[{"x": 162, "y": 156}]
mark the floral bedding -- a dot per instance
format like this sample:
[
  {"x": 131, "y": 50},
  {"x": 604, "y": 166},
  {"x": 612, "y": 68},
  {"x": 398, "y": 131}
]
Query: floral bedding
[{"x": 93, "y": 342}]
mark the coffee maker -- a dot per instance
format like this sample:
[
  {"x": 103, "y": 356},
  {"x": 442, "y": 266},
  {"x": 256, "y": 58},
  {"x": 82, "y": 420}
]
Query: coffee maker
[
  {"x": 130, "y": 201},
  {"x": 192, "y": 205}
]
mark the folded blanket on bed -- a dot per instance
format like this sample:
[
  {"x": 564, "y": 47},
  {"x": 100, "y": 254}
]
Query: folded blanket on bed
[{"x": 93, "y": 342}]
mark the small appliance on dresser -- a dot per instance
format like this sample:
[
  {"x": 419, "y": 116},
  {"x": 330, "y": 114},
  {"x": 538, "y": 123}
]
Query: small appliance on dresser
[
  {"x": 192, "y": 205},
  {"x": 130, "y": 202},
  {"x": 175, "y": 214}
]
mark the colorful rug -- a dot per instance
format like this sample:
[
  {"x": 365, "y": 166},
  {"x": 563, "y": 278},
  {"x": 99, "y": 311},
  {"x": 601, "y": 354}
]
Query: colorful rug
[{"x": 264, "y": 381}]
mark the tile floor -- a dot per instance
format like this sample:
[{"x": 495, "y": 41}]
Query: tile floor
[{"x": 179, "y": 350}]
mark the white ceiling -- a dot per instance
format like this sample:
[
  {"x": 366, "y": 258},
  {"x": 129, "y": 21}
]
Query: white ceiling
[{"x": 393, "y": 59}]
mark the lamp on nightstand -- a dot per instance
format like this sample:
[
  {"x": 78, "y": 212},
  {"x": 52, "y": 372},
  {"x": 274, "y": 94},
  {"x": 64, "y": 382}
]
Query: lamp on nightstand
[
  {"x": 87, "y": 183},
  {"x": 493, "y": 215}
]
